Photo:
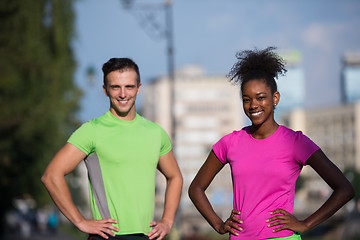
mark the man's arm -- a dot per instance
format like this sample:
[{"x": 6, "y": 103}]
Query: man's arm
[
  {"x": 170, "y": 169},
  {"x": 64, "y": 162}
]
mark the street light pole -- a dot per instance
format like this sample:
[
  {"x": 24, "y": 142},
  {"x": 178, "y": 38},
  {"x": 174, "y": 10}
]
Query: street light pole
[
  {"x": 150, "y": 20},
  {"x": 170, "y": 55},
  {"x": 168, "y": 34}
]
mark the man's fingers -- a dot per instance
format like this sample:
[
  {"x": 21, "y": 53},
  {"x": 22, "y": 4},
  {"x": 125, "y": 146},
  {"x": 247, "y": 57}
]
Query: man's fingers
[
  {"x": 108, "y": 220},
  {"x": 153, "y": 234},
  {"x": 102, "y": 234}
]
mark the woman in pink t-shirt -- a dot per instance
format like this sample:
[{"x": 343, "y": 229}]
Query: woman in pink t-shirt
[{"x": 265, "y": 160}]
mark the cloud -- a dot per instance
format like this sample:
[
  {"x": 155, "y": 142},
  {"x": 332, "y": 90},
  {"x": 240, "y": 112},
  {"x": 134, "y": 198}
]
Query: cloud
[
  {"x": 326, "y": 36},
  {"x": 220, "y": 22},
  {"x": 317, "y": 35}
]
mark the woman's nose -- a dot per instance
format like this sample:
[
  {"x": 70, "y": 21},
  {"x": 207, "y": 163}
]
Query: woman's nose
[{"x": 253, "y": 104}]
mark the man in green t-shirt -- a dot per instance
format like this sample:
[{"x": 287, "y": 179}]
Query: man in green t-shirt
[{"x": 122, "y": 151}]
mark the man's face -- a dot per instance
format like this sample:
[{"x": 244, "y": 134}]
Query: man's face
[{"x": 122, "y": 88}]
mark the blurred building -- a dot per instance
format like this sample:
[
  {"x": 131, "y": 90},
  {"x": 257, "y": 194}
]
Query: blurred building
[
  {"x": 336, "y": 130},
  {"x": 292, "y": 85},
  {"x": 350, "y": 77},
  {"x": 205, "y": 109}
]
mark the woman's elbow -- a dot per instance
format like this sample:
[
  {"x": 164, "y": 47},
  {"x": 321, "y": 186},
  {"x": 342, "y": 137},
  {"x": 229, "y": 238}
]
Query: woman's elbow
[
  {"x": 351, "y": 192},
  {"x": 193, "y": 191},
  {"x": 348, "y": 192}
]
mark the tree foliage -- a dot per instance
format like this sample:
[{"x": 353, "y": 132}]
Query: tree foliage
[{"x": 38, "y": 96}]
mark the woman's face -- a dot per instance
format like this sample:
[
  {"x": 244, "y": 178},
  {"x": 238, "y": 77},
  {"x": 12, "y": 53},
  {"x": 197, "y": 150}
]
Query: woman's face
[{"x": 259, "y": 102}]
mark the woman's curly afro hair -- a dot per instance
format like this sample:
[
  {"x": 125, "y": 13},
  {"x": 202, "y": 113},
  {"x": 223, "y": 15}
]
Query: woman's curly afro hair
[{"x": 257, "y": 64}]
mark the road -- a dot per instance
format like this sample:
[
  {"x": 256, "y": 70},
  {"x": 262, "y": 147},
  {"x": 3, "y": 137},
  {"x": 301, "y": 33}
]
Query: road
[{"x": 56, "y": 236}]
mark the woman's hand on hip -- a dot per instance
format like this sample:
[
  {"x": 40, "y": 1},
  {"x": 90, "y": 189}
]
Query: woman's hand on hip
[
  {"x": 232, "y": 224},
  {"x": 287, "y": 222}
]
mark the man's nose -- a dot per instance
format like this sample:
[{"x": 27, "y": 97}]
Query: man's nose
[{"x": 122, "y": 93}]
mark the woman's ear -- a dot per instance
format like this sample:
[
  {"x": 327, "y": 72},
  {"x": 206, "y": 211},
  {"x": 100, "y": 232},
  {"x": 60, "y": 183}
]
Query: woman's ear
[{"x": 276, "y": 98}]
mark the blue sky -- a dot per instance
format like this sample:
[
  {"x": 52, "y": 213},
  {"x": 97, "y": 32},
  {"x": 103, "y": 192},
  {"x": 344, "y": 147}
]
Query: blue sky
[{"x": 209, "y": 33}]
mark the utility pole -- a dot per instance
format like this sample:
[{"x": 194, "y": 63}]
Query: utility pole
[
  {"x": 147, "y": 15},
  {"x": 171, "y": 74}
]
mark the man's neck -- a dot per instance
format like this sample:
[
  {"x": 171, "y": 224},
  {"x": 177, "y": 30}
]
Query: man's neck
[{"x": 129, "y": 116}]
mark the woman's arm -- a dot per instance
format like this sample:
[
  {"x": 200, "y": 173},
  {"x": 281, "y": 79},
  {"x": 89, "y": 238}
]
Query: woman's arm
[
  {"x": 197, "y": 195},
  {"x": 343, "y": 190},
  {"x": 342, "y": 193}
]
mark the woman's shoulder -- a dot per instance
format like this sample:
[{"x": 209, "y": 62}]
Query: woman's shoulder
[
  {"x": 286, "y": 130},
  {"x": 236, "y": 134},
  {"x": 244, "y": 130},
  {"x": 289, "y": 133}
]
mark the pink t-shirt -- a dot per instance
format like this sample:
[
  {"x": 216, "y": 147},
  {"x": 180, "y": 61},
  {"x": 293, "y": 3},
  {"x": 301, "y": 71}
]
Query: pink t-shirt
[{"x": 264, "y": 174}]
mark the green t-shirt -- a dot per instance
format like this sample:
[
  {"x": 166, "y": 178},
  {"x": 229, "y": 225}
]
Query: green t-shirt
[{"x": 122, "y": 158}]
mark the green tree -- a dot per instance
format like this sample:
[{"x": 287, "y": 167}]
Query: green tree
[{"x": 38, "y": 96}]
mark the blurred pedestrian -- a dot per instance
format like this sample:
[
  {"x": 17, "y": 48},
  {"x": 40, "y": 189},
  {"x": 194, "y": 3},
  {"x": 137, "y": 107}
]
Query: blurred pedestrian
[
  {"x": 122, "y": 151},
  {"x": 53, "y": 222},
  {"x": 265, "y": 159},
  {"x": 42, "y": 220}
]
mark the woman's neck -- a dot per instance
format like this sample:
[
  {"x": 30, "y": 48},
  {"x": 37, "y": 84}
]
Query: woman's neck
[{"x": 263, "y": 131}]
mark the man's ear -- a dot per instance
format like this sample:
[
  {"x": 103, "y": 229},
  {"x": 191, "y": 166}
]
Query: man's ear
[
  {"x": 105, "y": 91},
  {"x": 139, "y": 88}
]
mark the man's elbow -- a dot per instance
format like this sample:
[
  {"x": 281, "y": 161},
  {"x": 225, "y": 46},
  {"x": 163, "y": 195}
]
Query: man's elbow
[
  {"x": 47, "y": 179},
  {"x": 44, "y": 179},
  {"x": 178, "y": 180},
  {"x": 181, "y": 179}
]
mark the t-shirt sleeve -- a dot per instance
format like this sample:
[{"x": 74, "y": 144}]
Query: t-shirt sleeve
[
  {"x": 83, "y": 138},
  {"x": 165, "y": 142},
  {"x": 304, "y": 148},
  {"x": 221, "y": 149}
]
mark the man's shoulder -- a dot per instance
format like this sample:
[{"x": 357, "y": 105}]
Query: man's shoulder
[
  {"x": 151, "y": 126},
  {"x": 147, "y": 122},
  {"x": 104, "y": 120}
]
